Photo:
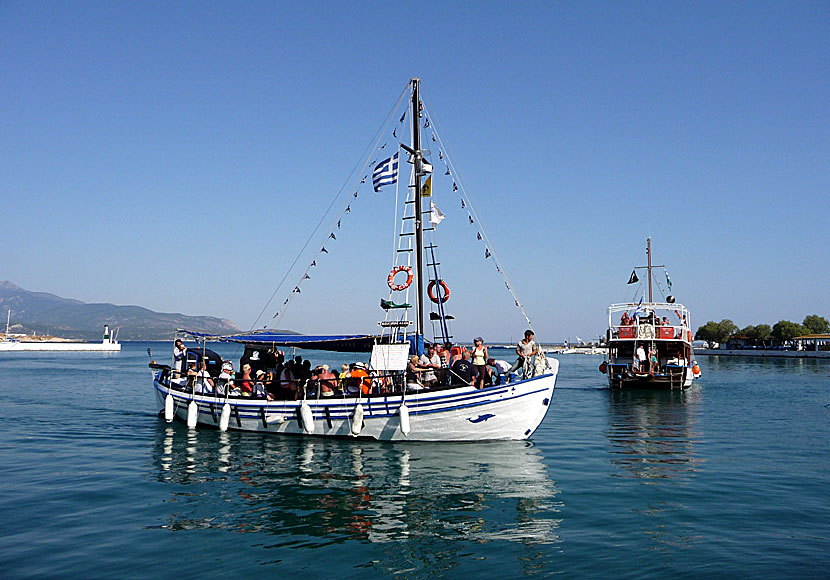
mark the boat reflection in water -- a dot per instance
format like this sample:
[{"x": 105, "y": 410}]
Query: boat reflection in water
[
  {"x": 320, "y": 492},
  {"x": 653, "y": 433}
]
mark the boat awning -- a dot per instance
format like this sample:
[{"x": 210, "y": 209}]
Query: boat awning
[{"x": 331, "y": 342}]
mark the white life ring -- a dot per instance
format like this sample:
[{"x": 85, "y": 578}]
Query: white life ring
[{"x": 391, "y": 279}]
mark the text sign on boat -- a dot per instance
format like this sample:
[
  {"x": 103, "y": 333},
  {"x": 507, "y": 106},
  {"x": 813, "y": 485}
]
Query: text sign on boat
[{"x": 390, "y": 357}]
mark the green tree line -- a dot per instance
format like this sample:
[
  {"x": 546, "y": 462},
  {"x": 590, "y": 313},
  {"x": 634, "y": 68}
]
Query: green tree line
[{"x": 762, "y": 334}]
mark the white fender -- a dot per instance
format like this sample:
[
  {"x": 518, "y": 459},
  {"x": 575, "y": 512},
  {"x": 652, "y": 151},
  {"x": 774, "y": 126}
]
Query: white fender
[
  {"x": 192, "y": 414},
  {"x": 307, "y": 417},
  {"x": 357, "y": 419},
  {"x": 168, "y": 408},
  {"x": 224, "y": 417},
  {"x": 403, "y": 411},
  {"x": 278, "y": 419}
]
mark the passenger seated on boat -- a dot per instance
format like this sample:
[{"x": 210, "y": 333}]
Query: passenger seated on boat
[
  {"x": 431, "y": 363},
  {"x": 259, "y": 386},
  {"x": 246, "y": 384},
  {"x": 665, "y": 321},
  {"x": 286, "y": 389},
  {"x": 342, "y": 376},
  {"x": 358, "y": 381},
  {"x": 414, "y": 374},
  {"x": 203, "y": 384},
  {"x": 225, "y": 378},
  {"x": 328, "y": 381},
  {"x": 462, "y": 369},
  {"x": 191, "y": 375}
]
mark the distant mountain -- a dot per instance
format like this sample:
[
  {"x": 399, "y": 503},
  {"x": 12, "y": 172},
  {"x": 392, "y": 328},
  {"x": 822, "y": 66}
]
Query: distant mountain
[{"x": 47, "y": 314}]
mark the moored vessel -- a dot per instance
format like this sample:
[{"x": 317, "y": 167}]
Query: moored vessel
[{"x": 11, "y": 343}]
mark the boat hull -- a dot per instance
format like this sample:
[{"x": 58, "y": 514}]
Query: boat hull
[
  {"x": 506, "y": 412},
  {"x": 628, "y": 380}
]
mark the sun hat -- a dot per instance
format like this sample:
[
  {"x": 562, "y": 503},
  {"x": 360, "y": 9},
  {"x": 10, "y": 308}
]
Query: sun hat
[{"x": 359, "y": 365}]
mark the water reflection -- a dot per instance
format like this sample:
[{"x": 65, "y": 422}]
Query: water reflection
[
  {"x": 313, "y": 493},
  {"x": 653, "y": 434}
]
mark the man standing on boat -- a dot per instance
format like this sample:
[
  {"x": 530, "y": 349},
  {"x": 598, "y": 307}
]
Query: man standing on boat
[
  {"x": 179, "y": 354},
  {"x": 525, "y": 349}
]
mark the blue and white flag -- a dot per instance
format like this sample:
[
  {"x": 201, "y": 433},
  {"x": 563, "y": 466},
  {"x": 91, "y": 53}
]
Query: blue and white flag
[{"x": 386, "y": 172}]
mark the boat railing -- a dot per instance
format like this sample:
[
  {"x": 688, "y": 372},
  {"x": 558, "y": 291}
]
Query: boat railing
[
  {"x": 649, "y": 331},
  {"x": 378, "y": 383}
]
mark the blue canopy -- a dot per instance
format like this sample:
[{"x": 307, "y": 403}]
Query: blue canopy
[{"x": 332, "y": 342}]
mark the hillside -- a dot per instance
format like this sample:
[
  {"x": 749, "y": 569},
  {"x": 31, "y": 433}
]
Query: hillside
[{"x": 47, "y": 314}]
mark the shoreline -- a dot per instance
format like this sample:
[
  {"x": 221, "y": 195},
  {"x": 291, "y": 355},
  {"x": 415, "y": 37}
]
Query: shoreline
[{"x": 818, "y": 354}]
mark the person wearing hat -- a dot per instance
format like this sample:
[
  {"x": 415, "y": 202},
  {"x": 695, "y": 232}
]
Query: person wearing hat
[
  {"x": 479, "y": 361},
  {"x": 259, "y": 387},
  {"x": 225, "y": 378},
  {"x": 179, "y": 355},
  {"x": 359, "y": 380}
]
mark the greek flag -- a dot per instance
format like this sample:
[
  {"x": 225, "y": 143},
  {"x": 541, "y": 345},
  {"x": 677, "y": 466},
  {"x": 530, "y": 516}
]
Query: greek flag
[{"x": 386, "y": 172}]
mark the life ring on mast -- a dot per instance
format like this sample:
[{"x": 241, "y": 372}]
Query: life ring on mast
[
  {"x": 391, "y": 279},
  {"x": 445, "y": 291}
]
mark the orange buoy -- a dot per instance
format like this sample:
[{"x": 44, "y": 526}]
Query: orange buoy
[
  {"x": 391, "y": 279},
  {"x": 445, "y": 291},
  {"x": 603, "y": 368}
]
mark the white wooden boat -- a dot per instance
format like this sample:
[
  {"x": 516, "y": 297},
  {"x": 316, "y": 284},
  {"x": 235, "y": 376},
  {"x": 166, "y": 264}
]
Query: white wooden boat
[{"x": 390, "y": 409}]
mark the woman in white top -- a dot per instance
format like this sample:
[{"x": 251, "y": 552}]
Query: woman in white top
[
  {"x": 204, "y": 384},
  {"x": 479, "y": 360}
]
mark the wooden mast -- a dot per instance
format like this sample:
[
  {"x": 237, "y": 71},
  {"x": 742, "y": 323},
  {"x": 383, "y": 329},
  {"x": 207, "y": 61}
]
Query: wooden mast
[
  {"x": 648, "y": 251},
  {"x": 419, "y": 226}
]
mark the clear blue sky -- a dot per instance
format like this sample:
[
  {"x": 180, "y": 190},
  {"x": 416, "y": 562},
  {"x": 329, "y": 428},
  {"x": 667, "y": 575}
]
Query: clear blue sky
[{"x": 177, "y": 155}]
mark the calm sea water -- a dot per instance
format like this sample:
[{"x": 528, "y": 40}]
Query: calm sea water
[{"x": 729, "y": 479}]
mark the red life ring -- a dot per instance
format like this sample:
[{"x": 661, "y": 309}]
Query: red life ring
[
  {"x": 391, "y": 279},
  {"x": 445, "y": 291}
]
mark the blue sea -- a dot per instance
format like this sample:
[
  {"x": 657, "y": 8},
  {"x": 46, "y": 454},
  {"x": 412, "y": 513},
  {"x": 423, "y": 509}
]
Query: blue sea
[{"x": 729, "y": 479}]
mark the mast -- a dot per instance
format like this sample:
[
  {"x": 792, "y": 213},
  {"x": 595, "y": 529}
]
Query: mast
[
  {"x": 419, "y": 227},
  {"x": 8, "y": 319},
  {"x": 648, "y": 251}
]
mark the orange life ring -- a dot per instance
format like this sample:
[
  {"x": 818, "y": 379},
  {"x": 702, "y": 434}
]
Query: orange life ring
[
  {"x": 445, "y": 291},
  {"x": 391, "y": 279}
]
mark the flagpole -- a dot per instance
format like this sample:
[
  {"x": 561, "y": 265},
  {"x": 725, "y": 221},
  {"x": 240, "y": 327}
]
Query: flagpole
[{"x": 419, "y": 227}]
